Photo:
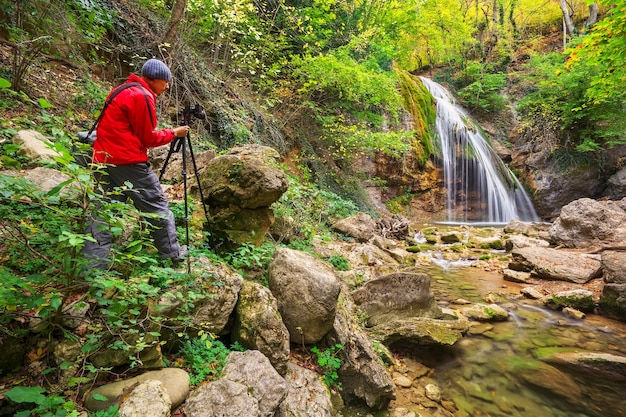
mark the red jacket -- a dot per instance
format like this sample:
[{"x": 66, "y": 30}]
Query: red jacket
[{"x": 127, "y": 128}]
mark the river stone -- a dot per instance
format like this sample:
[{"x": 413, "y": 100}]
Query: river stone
[
  {"x": 306, "y": 290},
  {"x": 307, "y": 395},
  {"x": 516, "y": 276},
  {"x": 521, "y": 241},
  {"x": 396, "y": 296},
  {"x": 149, "y": 398},
  {"x": 174, "y": 380},
  {"x": 552, "y": 380},
  {"x": 605, "y": 364},
  {"x": 485, "y": 312},
  {"x": 579, "y": 299},
  {"x": 423, "y": 331},
  {"x": 613, "y": 301},
  {"x": 554, "y": 264},
  {"x": 613, "y": 267},
  {"x": 616, "y": 185},
  {"x": 222, "y": 398}
]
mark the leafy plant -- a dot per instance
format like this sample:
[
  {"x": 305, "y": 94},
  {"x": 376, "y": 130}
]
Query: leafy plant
[
  {"x": 339, "y": 262},
  {"x": 329, "y": 362},
  {"x": 45, "y": 406},
  {"x": 205, "y": 357}
]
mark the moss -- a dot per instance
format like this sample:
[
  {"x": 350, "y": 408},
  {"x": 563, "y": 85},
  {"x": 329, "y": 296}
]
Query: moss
[{"x": 420, "y": 103}]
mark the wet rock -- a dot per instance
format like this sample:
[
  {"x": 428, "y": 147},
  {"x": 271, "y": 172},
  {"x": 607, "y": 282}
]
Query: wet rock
[
  {"x": 613, "y": 301},
  {"x": 532, "y": 293},
  {"x": 485, "y": 312},
  {"x": 556, "y": 264},
  {"x": 579, "y": 299},
  {"x": 421, "y": 331},
  {"x": 573, "y": 313},
  {"x": 605, "y": 365}
]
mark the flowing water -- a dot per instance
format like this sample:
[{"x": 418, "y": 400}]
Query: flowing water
[
  {"x": 479, "y": 186},
  {"x": 495, "y": 371}
]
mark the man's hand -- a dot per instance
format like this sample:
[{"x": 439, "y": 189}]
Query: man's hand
[{"x": 181, "y": 131}]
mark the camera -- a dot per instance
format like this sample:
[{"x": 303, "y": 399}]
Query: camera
[{"x": 190, "y": 112}]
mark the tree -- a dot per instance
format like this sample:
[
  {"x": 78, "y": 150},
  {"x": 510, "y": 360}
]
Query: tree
[{"x": 178, "y": 11}]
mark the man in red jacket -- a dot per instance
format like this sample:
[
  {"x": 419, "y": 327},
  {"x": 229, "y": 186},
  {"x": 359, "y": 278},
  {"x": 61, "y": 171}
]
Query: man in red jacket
[{"x": 125, "y": 132}]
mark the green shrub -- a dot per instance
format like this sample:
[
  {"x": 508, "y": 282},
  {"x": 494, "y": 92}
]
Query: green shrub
[
  {"x": 204, "y": 357},
  {"x": 329, "y": 362}
]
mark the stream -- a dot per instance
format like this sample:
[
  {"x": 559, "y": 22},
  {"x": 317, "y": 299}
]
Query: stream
[{"x": 494, "y": 371}]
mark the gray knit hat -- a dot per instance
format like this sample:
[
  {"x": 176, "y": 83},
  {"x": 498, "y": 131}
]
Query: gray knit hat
[{"x": 156, "y": 70}]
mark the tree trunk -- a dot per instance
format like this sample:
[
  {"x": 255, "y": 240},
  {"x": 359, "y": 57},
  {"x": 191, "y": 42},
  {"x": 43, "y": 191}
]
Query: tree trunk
[
  {"x": 178, "y": 11},
  {"x": 567, "y": 17},
  {"x": 593, "y": 15}
]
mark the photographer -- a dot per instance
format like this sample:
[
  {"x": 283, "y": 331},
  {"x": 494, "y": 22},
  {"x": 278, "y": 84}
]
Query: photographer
[{"x": 125, "y": 132}]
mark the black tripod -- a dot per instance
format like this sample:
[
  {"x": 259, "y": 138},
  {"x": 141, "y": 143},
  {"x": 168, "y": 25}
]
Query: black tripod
[{"x": 186, "y": 117}]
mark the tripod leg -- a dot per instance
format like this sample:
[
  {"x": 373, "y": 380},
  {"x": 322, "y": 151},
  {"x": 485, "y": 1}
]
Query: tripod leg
[
  {"x": 184, "y": 174},
  {"x": 174, "y": 147},
  {"x": 212, "y": 243}
]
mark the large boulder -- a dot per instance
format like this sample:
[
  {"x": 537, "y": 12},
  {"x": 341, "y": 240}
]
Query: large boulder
[
  {"x": 253, "y": 370},
  {"x": 307, "y": 395},
  {"x": 222, "y": 398},
  {"x": 239, "y": 188},
  {"x": 361, "y": 374},
  {"x": 259, "y": 326},
  {"x": 246, "y": 177},
  {"x": 585, "y": 222},
  {"x": 361, "y": 226},
  {"x": 396, "y": 296},
  {"x": 553, "y": 264},
  {"x": 149, "y": 398},
  {"x": 306, "y": 290}
]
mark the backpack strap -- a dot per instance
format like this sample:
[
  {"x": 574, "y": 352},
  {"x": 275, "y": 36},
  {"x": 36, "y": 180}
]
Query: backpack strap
[{"x": 113, "y": 95}]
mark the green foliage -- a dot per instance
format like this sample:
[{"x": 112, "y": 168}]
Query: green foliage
[
  {"x": 249, "y": 256},
  {"x": 329, "y": 362},
  {"x": 560, "y": 102},
  {"x": 483, "y": 94},
  {"x": 339, "y": 262},
  {"x": 112, "y": 411},
  {"x": 307, "y": 212},
  {"x": 45, "y": 406},
  {"x": 348, "y": 84},
  {"x": 204, "y": 357}
]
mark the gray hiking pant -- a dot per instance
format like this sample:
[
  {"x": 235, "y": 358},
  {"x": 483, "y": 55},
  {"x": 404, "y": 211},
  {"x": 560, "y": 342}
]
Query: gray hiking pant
[{"x": 147, "y": 196}]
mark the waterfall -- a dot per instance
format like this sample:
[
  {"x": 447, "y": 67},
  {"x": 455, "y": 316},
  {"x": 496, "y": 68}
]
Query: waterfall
[{"x": 479, "y": 187}]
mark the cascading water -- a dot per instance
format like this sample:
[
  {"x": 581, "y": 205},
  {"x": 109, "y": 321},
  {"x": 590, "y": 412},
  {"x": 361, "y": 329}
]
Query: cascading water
[{"x": 480, "y": 187}]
